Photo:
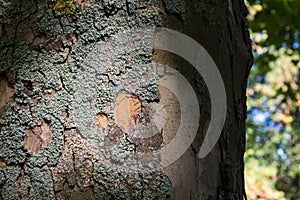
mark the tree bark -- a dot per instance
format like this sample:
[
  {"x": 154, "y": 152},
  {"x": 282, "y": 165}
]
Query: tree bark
[{"x": 78, "y": 81}]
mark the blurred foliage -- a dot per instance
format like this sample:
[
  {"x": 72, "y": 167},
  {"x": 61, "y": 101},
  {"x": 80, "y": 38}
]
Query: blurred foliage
[
  {"x": 273, "y": 125},
  {"x": 259, "y": 181},
  {"x": 278, "y": 17}
]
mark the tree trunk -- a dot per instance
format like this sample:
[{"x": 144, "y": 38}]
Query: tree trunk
[{"x": 89, "y": 108}]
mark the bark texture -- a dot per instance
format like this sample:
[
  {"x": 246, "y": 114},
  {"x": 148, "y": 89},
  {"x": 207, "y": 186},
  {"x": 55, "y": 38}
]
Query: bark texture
[{"x": 45, "y": 153}]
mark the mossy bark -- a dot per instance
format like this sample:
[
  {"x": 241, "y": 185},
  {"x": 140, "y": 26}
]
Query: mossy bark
[{"x": 43, "y": 152}]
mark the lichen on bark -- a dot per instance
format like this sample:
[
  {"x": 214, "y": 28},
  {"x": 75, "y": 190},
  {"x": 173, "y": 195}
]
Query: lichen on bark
[{"x": 43, "y": 154}]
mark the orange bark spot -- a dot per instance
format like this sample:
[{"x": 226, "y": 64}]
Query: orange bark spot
[
  {"x": 49, "y": 95},
  {"x": 6, "y": 94},
  {"x": 38, "y": 138},
  {"x": 102, "y": 121},
  {"x": 127, "y": 108}
]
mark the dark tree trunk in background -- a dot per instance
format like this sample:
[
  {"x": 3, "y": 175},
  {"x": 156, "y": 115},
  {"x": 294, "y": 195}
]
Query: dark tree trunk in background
[{"x": 45, "y": 45}]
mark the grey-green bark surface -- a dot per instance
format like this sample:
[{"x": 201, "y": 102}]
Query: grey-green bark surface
[{"x": 43, "y": 155}]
